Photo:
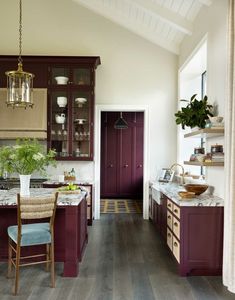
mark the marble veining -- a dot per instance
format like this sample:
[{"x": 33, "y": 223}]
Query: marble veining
[
  {"x": 9, "y": 197},
  {"x": 171, "y": 191}
]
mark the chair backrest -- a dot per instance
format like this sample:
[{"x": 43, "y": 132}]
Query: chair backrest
[{"x": 36, "y": 207}]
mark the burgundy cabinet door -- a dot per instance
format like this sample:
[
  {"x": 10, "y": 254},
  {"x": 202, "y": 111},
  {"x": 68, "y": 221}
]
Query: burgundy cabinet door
[
  {"x": 122, "y": 156},
  {"x": 139, "y": 142},
  {"x": 126, "y": 161},
  {"x": 109, "y": 155}
]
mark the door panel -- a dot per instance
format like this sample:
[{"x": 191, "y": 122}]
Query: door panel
[
  {"x": 126, "y": 162},
  {"x": 139, "y": 154},
  {"x": 109, "y": 153}
]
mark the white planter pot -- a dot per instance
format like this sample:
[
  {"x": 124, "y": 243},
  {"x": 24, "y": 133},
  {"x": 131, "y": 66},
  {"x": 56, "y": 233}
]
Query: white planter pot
[{"x": 24, "y": 185}]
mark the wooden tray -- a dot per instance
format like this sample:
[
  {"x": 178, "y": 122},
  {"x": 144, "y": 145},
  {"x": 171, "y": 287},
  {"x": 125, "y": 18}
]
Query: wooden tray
[
  {"x": 186, "y": 195},
  {"x": 69, "y": 192}
]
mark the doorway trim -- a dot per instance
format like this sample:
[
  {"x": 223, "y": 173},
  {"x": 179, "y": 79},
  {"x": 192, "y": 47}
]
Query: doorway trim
[{"x": 123, "y": 108}]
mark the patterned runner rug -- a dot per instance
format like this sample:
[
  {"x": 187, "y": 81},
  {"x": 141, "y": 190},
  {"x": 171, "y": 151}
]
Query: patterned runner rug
[{"x": 120, "y": 206}]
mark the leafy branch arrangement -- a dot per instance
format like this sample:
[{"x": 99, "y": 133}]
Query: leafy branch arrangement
[
  {"x": 195, "y": 113},
  {"x": 26, "y": 157}
]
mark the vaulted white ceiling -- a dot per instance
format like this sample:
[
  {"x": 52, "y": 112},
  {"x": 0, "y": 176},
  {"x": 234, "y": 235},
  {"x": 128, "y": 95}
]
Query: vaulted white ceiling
[{"x": 163, "y": 22}]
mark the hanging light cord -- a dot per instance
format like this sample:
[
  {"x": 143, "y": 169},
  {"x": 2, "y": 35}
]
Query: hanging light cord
[{"x": 20, "y": 34}]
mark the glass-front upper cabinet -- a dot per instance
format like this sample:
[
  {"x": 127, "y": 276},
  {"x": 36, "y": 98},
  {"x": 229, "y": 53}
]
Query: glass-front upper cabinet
[
  {"x": 71, "y": 76},
  {"x": 71, "y": 108},
  {"x": 59, "y": 123},
  {"x": 82, "y": 123}
]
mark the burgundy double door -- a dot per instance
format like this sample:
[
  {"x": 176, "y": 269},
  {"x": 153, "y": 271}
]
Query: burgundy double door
[{"x": 122, "y": 156}]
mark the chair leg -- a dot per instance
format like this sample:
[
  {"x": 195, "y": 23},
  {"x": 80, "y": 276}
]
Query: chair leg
[
  {"x": 9, "y": 272},
  {"x": 17, "y": 269},
  {"x": 47, "y": 256},
  {"x": 52, "y": 264}
]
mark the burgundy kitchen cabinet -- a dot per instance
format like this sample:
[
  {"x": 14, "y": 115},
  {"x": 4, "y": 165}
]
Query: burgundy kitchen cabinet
[
  {"x": 122, "y": 156},
  {"x": 71, "y": 235},
  {"x": 158, "y": 215},
  {"x": 89, "y": 197},
  {"x": 71, "y": 125},
  {"x": 195, "y": 237}
]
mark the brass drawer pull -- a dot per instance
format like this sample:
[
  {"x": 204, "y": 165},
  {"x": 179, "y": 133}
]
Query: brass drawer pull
[
  {"x": 176, "y": 210},
  {"x": 175, "y": 224},
  {"x": 169, "y": 205},
  {"x": 169, "y": 234},
  {"x": 169, "y": 217},
  {"x": 175, "y": 244}
]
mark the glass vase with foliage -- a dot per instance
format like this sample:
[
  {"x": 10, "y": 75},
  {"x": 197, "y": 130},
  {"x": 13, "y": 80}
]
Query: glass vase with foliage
[
  {"x": 195, "y": 113},
  {"x": 25, "y": 157}
]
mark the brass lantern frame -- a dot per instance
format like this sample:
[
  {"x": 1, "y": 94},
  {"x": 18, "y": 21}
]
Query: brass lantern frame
[{"x": 19, "y": 82}]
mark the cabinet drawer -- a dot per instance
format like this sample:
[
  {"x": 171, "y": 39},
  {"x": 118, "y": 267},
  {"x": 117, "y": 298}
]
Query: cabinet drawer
[
  {"x": 176, "y": 211},
  {"x": 169, "y": 205},
  {"x": 176, "y": 227},
  {"x": 176, "y": 249},
  {"x": 169, "y": 219},
  {"x": 169, "y": 238}
]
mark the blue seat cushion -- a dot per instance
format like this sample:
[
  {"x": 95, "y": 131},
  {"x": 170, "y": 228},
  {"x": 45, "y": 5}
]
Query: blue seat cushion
[{"x": 31, "y": 234}]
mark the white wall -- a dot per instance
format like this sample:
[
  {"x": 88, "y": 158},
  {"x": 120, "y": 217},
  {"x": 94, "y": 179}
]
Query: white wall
[
  {"x": 212, "y": 20},
  {"x": 133, "y": 71}
]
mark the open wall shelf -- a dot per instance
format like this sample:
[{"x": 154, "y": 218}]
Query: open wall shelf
[
  {"x": 205, "y": 133},
  {"x": 204, "y": 164}
]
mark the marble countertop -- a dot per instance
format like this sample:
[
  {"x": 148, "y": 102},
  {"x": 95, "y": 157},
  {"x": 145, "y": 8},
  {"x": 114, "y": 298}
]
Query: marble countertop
[
  {"x": 171, "y": 191},
  {"x": 9, "y": 197},
  {"x": 54, "y": 182}
]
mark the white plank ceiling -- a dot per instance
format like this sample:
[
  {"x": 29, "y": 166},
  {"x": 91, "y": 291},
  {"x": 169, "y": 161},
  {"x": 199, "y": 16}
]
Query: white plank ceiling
[{"x": 163, "y": 22}]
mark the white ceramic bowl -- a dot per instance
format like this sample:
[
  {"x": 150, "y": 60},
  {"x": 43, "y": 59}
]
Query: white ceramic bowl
[
  {"x": 62, "y": 101},
  {"x": 80, "y": 121},
  {"x": 60, "y": 119},
  {"x": 61, "y": 79},
  {"x": 81, "y": 100},
  {"x": 216, "y": 119}
]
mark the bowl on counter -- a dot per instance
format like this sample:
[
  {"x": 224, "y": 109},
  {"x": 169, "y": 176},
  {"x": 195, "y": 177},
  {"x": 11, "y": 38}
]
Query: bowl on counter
[{"x": 198, "y": 189}]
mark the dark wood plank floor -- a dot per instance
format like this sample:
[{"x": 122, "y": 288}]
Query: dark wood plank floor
[{"x": 125, "y": 260}]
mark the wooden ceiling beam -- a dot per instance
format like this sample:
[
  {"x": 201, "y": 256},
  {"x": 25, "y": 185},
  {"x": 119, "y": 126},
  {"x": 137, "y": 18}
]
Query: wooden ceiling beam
[
  {"x": 166, "y": 15},
  {"x": 130, "y": 24}
]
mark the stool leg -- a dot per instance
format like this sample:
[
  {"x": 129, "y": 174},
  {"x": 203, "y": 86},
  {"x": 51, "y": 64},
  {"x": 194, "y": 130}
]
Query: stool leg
[
  {"x": 17, "y": 269},
  {"x": 9, "y": 259},
  {"x": 47, "y": 256},
  {"x": 52, "y": 264}
]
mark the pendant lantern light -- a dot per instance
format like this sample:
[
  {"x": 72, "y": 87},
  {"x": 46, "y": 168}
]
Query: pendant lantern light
[
  {"x": 120, "y": 123},
  {"x": 19, "y": 83}
]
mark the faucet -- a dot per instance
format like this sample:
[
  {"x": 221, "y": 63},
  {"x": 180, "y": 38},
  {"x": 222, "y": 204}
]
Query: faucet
[{"x": 176, "y": 164}]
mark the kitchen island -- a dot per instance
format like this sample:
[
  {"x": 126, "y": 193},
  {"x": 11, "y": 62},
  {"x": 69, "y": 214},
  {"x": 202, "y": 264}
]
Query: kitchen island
[{"x": 70, "y": 227}]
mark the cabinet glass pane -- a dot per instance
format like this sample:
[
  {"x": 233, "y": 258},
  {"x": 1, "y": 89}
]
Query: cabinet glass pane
[
  {"x": 59, "y": 123},
  {"x": 81, "y": 120},
  {"x": 81, "y": 77},
  {"x": 59, "y": 76}
]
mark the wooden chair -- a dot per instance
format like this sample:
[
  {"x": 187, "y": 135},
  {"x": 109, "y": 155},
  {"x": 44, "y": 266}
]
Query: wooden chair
[{"x": 23, "y": 235}]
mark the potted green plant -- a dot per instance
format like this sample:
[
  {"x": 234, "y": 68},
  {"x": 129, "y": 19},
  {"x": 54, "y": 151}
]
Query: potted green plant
[
  {"x": 195, "y": 113},
  {"x": 24, "y": 158}
]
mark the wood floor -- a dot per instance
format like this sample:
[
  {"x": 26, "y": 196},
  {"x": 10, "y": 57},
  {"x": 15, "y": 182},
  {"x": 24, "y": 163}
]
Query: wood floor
[{"x": 124, "y": 260}]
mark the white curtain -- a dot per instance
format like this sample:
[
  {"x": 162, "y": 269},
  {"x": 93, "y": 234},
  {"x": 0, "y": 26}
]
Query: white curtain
[{"x": 229, "y": 207}]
